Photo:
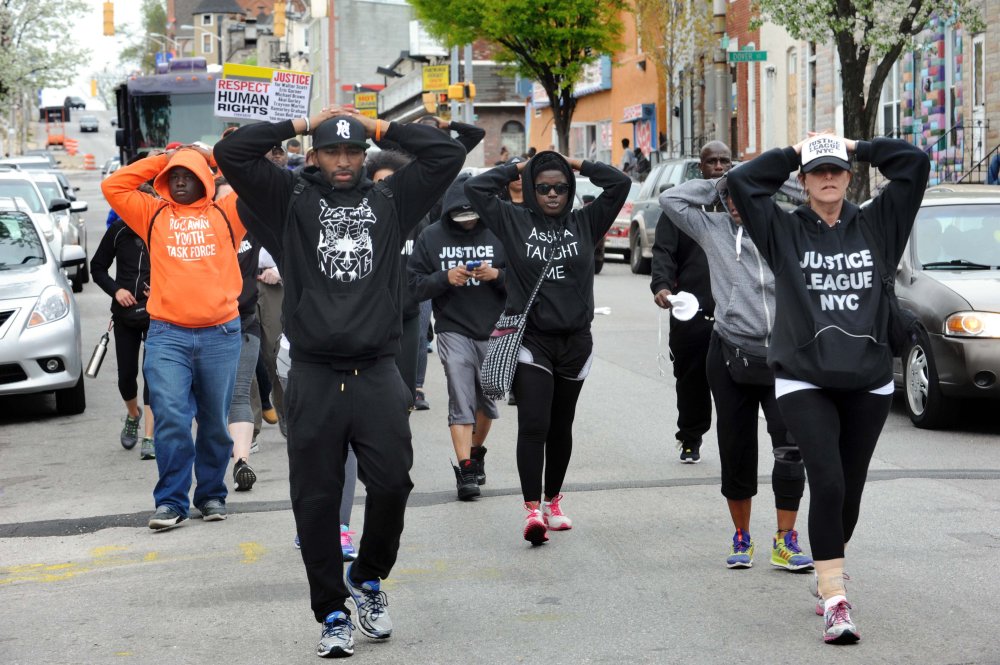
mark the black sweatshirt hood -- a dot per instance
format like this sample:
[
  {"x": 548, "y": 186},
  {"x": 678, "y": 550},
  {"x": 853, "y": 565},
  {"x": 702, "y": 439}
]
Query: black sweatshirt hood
[{"x": 547, "y": 160}]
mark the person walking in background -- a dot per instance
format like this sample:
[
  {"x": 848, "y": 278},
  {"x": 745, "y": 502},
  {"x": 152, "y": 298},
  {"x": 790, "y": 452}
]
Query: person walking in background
[
  {"x": 338, "y": 237},
  {"x": 458, "y": 263},
  {"x": 129, "y": 291},
  {"x": 679, "y": 264},
  {"x": 628, "y": 159},
  {"x": 743, "y": 290},
  {"x": 193, "y": 341},
  {"x": 270, "y": 295},
  {"x": 546, "y": 234},
  {"x": 830, "y": 348}
]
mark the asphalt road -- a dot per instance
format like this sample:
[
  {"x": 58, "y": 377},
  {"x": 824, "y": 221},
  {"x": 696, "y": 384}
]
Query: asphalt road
[{"x": 639, "y": 579}]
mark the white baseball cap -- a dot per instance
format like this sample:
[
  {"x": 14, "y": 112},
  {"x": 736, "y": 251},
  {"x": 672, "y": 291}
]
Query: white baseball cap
[{"x": 821, "y": 150}]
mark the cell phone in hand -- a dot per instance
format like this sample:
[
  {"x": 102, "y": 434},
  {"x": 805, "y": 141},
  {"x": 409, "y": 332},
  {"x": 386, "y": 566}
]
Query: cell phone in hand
[{"x": 472, "y": 265}]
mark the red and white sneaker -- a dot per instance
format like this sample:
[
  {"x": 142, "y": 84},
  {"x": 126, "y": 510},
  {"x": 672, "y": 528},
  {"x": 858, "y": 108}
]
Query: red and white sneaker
[
  {"x": 553, "y": 514},
  {"x": 534, "y": 525},
  {"x": 839, "y": 628}
]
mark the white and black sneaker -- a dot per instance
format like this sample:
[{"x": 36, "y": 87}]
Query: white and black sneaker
[
  {"x": 165, "y": 517},
  {"x": 337, "y": 640},
  {"x": 243, "y": 476},
  {"x": 690, "y": 452},
  {"x": 370, "y": 601}
]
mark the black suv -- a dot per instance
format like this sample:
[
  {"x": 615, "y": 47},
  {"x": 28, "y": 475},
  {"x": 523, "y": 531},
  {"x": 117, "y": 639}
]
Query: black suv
[{"x": 74, "y": 103}]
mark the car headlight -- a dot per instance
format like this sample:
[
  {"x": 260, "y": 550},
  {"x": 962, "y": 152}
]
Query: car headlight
[
  {"x": 52, "y": 305},
  {"x": 972, "y": 324}
]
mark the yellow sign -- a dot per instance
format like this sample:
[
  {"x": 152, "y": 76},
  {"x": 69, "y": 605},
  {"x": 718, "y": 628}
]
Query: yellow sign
[
  {"x": 436, "y": 77},
  {"x": 371, "y": 113},
  {"x": 365, "y": 100}
]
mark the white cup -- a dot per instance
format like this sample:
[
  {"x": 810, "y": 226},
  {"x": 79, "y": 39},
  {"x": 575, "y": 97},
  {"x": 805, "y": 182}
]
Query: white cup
[{"x": 683, "y": 305}]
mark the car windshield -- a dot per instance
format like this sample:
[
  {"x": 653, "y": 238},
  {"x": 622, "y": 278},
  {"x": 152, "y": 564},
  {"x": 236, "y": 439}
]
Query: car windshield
[
  {"x": 958, "y": 237},
  {"x": 50, "y": 190},
  {"x": 23, "y": 189},
  {"x": 88, "y": 118},
  {"x": 20, "y": 245}
]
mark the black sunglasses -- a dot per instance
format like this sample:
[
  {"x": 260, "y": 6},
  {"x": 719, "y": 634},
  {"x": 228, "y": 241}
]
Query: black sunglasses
[{"x": 544, "y": 188}]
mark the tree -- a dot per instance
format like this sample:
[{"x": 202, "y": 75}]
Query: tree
[
  {"x": 865, "y": 33},
  {"x": 144, "y": 47},
  {"x": 550, "y": 41},
  {"x": 34, "y": 50},
  {"x": 674, "y": 32}
]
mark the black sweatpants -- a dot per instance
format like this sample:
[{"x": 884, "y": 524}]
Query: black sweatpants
[
  {"x": 689, "y": 346},
  {"x": 128, "y": 341},
  {"x": 326, "y": 409},
  {"x": 837, "y": 433},
  {"x": 547, "y": 384},
  {"x": 736, "y": 408}
]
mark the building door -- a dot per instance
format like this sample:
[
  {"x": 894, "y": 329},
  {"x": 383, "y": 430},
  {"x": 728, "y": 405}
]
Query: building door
[
  {"x": 978, "y": 96},
  {"x": 792, "y": 109}
]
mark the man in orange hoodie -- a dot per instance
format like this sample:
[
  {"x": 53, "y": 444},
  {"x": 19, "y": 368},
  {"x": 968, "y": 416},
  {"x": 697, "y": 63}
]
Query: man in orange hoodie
[{"x": 193, "y": 342}]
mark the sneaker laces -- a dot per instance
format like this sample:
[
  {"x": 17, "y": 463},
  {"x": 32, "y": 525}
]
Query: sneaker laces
[
  {"x": 339, "y": 628},
  {"x": 791, "y": 541},
  {"x": 741, "y": 543},
  {"x": 345, "y": 538},
  {"x": 554, "y": 508},
  {"x": 131, "y": 425},
  {"x": 375, "y": 602},
  {"x": 839, "y": 614}
]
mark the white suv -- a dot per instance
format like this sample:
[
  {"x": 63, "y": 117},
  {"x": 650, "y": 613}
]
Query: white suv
[{"x": 17, "y": 191}]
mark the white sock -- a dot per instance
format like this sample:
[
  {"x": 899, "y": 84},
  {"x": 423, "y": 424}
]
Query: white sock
[{"x": 833, "y": 600}]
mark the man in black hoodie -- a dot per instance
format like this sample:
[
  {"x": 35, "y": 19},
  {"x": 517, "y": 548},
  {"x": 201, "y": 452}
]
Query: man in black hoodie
[
  {"x": 458, "y": 263},
  {"x": 338, "y": 236}
]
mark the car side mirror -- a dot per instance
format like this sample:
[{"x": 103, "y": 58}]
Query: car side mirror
[
  {"x": 73, "y": 255},
  {"x": 664, "y": 187},
  {"x": 58, "y": 204},
  {"x": 78, "y": 206}
]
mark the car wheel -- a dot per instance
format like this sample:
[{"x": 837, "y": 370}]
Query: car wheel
[
  {"x": 639, "y": 264},
  {"x": 71, "y": 401},
  {"x": 927, "y": 407}
]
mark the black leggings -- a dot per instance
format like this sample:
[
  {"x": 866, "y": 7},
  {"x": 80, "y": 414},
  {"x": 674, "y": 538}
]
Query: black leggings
[
  {"x": 127, "y": 343},
  {"x": 836, "y": 433},
  {"x": 546, "y": 406}
]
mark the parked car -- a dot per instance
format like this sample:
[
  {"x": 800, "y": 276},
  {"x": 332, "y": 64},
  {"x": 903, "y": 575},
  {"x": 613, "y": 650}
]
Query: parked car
[
  {"x": 40, "y": 342},
  {"x": 646, "y": 208},
  {"x": 89, "y": 123},
  {"x": 74, "y": 102},
  {"x": 42, "y": 152},
  {"x": 586, "y": 191},
  {"x": 110, "y": 166},
  {"x": 617, "y": 241},
  {"x": 71, "y": 222},
  {"x": 40, "y": 164},
  {"x": 19, "y": 192},
  {"x": 949, "y": 276}
]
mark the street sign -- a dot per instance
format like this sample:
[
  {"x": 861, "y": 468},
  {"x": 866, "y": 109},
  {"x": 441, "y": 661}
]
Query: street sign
[
  {"x": 436, "y": 77},
  {"x": 747, "y": 56},
  {"x": 366, "y": 103}
]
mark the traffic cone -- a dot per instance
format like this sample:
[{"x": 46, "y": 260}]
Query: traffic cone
[{"x": 88, "y": 163}]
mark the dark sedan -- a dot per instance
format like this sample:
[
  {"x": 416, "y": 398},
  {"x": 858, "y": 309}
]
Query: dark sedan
[{"x": 949, "y": 277}]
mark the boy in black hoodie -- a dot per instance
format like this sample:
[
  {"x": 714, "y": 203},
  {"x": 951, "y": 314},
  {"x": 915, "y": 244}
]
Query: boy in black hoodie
[
  {"x": 338, "y": 236},
  {"x": 547, "y": 234},
  {"x": 458, "y": 264}
]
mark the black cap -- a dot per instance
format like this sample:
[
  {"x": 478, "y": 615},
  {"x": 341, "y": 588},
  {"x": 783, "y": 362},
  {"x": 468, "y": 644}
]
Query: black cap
[{"x": 338, "y": 130}]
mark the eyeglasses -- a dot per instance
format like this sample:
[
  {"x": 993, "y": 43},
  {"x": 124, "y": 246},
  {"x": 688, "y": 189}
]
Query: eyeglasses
[{"x": 544, "y": 188}]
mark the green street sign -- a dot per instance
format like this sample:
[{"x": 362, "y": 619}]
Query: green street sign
[{"x": 747, "y": 56}]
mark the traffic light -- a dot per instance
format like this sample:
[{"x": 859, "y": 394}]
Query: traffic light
[
  {"x": 461, "y": 91},
  {"x": 109, "y": 19},
  {"x": 279, "y": 18},
  {"x": 93, "y": 87}
]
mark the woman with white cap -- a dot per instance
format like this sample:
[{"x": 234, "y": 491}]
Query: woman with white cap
[{"x": 830, "y": 347}]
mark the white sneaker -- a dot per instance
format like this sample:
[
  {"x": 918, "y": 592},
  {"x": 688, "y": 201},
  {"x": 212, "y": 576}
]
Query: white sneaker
[
  {"x": 553, "y": 515},
  {"x": 839, "y": 628}
]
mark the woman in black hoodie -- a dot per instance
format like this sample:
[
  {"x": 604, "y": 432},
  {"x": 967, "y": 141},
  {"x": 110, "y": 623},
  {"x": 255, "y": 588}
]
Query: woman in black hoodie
[
  {"x": 829, "y": 350},
  {"x": 557, "y": 348}
]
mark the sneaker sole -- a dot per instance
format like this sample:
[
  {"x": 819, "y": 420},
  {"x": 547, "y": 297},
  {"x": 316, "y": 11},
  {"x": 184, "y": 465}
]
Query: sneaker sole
[
  {"x": 468, "y": 493},
  {"x": 535, "y": 534},
  {"x": 162, "y": 525},
  {"x": 739, "y": 564},
  {"x": 690, "y": 461},
  {"x": 127, "y": 446},
  {"x": 244, "y": 478},
  {"x": 801, "y": 568},
  {"x": 348, "y": 557},
  {"x": 336, "y": 653},
  {"x": 846, "y": 637},
  {"x": 214, "y": 518},
  {"x": 563, "y": 527}
]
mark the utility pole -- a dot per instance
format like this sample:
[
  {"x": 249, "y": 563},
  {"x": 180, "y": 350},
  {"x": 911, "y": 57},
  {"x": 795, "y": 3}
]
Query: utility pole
[
  {"x": 469, "y": 110},
  {"x": 455, "y": 78},
  {"x": 721, "y": 67}
]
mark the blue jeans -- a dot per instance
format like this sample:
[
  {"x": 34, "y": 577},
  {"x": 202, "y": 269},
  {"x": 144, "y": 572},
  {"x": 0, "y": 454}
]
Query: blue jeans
[{"x": 191, "y": 373}]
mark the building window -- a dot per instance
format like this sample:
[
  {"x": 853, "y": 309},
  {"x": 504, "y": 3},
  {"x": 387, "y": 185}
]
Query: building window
[
  {"x": 889, "y": 117},
  {"x": 512, "y": 136},
  {"x": 206, "y": 42},
  {"x": 206, "y": 19}
]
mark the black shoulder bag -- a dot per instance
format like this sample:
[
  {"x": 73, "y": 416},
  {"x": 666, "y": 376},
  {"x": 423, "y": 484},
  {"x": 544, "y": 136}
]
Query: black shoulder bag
[{"x": 903, "y": 323}]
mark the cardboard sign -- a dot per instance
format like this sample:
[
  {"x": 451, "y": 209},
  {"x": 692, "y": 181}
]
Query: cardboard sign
[{"x": 262, "y": 94}]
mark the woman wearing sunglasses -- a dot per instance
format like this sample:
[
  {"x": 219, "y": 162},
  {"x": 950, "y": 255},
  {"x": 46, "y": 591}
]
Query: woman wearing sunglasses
[
  {"x": 546, "y": 233},
  {"x": 829, "y": 350}
]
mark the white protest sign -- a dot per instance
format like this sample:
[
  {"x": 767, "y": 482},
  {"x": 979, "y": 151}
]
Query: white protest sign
[{"x": 269, "y": 94}]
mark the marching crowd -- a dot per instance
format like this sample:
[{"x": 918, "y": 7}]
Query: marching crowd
[{"x": 317, "y": 277}]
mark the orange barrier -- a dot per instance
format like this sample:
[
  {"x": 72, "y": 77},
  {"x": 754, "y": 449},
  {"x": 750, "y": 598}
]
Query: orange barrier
[
  {"x": 71, "y": 145},
  {"x": 88, "y": 163}
]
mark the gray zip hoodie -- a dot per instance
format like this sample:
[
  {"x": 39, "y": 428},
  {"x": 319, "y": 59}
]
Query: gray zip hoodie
[{"x": 742, "y": 283}]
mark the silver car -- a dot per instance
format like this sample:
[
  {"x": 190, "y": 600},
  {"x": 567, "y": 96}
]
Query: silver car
[
  {"x": 70, "y": 221},
  {"x": 40, "y": 347}
]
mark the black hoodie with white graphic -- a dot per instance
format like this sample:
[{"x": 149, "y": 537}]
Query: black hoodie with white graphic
[
  {"x": 565, "y": 301},
  {"x": 831, "y": 324},
  {"x": 339, "y": 248},
  {"x": 471, "y": 309}
]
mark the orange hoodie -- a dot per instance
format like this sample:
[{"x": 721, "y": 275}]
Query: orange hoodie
[{"x": 194, "y": 275}]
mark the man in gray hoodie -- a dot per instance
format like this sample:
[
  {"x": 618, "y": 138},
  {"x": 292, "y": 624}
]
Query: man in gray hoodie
[{"x": 741, "y": 382}]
